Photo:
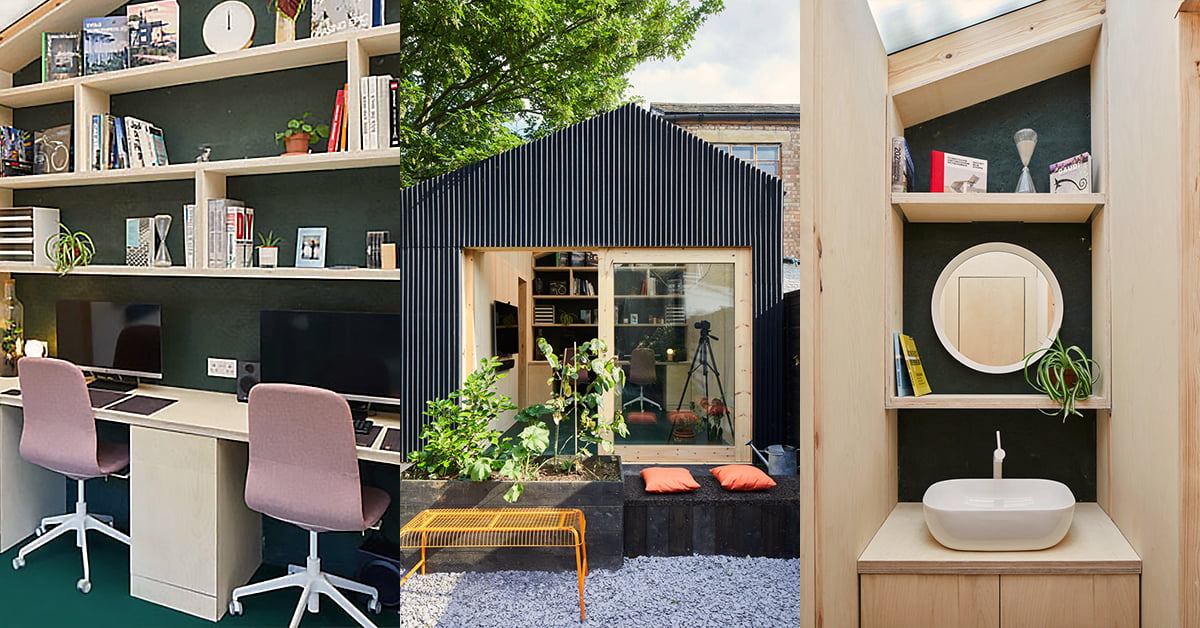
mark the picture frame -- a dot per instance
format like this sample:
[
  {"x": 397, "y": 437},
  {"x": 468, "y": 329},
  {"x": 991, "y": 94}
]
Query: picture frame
[
  {"x": 633, "y": 319},
  {"x": 310, "y": 247}
]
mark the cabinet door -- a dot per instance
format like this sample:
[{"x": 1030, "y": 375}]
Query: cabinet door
[
  {"x": 1082, "y": 601},
  {"x": 917, "y": 601}
]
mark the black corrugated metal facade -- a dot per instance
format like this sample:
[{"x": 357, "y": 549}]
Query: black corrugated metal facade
[{"x": 626, "y": 179}]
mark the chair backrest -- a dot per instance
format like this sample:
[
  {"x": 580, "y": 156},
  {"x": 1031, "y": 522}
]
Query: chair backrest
[
  {"x": 641, "y": 367},
  {"x": 303, "y": 461},
  {"x": 583, "y": 375},
  {"x": 60, "y": 430}
]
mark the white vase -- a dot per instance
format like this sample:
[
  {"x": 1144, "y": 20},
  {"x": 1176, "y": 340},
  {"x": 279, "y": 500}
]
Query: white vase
[{"x": 268, "y": 256}]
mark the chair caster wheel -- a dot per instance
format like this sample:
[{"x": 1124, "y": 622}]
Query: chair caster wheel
[
  {"x": 18, "y": 563},
  {"x": 84, "y": 586},
  {"x": 40, "y": 530},
  {"x": 375, "y": 607},
  {"x": 235, "y": 607}
]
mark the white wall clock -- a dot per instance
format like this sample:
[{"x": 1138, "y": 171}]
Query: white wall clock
[{"x": 229, "y": 26}]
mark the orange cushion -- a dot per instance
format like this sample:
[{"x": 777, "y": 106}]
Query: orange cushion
[
  {"x": 742, "y": 477},
  {"x": 668, "y": 480},
  {"x": 641, "y": 417}
]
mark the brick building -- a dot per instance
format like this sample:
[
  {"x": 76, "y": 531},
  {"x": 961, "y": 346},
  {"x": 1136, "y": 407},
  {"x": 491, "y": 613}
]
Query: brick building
[{"x": 767, "y": 135}]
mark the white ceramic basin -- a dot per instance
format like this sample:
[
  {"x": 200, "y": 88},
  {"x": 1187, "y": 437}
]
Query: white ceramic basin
[{"x": 998, "y": 515}]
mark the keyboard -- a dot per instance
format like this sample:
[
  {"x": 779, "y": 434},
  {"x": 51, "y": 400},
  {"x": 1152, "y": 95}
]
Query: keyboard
[{"x": 362, "y": 425}]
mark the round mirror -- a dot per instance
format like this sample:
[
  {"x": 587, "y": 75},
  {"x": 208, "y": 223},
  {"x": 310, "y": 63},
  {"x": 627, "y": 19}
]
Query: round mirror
[{"x": 993, "y": 304}]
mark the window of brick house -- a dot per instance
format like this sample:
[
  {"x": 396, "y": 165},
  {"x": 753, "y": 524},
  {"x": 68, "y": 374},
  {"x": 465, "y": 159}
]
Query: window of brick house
[{"x": 765, "y": 156}]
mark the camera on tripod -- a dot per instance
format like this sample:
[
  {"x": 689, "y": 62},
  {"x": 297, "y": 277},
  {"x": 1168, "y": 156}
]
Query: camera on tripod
[{"x": 705, "y": 327}]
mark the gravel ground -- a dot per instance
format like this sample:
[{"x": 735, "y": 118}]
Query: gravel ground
[{"x": 682, "y": 591}]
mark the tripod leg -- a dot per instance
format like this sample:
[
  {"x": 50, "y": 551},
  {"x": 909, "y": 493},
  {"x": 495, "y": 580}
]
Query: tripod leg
[{"x": 691, "y": 369}]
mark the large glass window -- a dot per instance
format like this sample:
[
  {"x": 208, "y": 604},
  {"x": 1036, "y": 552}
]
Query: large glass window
[{"x": 674, "y": 335}]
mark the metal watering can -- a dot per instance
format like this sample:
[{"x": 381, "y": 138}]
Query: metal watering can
[{"x": 780, "y": 459}]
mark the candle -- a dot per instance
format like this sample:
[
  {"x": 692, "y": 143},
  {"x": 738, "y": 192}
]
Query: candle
[{"x": 670, "y": 355}]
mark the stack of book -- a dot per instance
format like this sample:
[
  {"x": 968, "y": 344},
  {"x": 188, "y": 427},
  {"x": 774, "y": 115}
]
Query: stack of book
[
  {"x": 126, "y": 142},
  {"x": 230, "y": 234},
  {"x": 147, "y": 34},
  {"x": 380, "y": 112},
  {"x": 336, "y": 16},
  {"x": 543, "y": 314}
]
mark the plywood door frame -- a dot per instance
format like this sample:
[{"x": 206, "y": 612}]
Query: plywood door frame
[
  {"x": 742, "y": 341},
  {"x": 470, "y": 265},
  {"x": 1189, "y": 303}
]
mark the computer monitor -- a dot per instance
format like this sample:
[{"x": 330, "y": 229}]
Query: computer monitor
[
  {"x": 354, "y": 354},
  {"x": 505, "y": 337},
  {"x": 111, "y": 338}
]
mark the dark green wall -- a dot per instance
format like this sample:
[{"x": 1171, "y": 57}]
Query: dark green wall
[
  {"x": 1059, "y": 109},
  {"x": 205, "y": 317},
  {"x": 941, "y": 444}
]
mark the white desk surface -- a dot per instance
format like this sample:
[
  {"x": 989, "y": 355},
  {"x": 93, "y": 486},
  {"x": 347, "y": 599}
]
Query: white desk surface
[
  {"x": 903, "y": 545},
  {"x": 205, "y": 413}
]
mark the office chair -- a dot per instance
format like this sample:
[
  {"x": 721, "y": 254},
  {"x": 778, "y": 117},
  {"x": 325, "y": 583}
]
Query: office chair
[
  {"x": 304, "y": 470},
  {"x": 60, "y": 434},
  {"x": 642, "y": 372}
]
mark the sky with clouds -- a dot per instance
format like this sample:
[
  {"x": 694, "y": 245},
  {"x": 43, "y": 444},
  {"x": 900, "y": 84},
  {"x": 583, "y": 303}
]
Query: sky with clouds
[{"x": 748, "y": 53}]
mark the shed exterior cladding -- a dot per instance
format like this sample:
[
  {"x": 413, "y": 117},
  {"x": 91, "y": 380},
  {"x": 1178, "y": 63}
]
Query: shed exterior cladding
[
  {"x": 624, "y": 179},
  {"x": 753, "y": 124}
]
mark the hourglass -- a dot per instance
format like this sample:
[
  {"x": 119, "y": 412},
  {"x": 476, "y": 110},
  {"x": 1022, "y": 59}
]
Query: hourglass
[{"x": 1026, "y": 140}]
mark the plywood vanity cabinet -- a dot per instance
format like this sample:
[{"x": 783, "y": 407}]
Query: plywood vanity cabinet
[{"x": 1089, "y": 580}]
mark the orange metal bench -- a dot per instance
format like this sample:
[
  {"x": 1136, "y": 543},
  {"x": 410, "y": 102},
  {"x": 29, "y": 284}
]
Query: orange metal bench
[{"x": 498, "y": 527}]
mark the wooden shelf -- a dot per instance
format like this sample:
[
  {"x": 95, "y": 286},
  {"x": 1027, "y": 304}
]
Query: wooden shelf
[
  {"x": 648, "y": 296},
  {"x": 564, "y": 296},
  {"x": 269, "y": 58},
  {"x": 585, "y": 269},
  {"x": 227, "y": 273},
  {"x": 650, "y": 325},
  {"x": 988, "y": 402},
  {"x": 561, "y": 325},
  {"x": 997, "y": 207},
  {"x": 240, "y": 167}
]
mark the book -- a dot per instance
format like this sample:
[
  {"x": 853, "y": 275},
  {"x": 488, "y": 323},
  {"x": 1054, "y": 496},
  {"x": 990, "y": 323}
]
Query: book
[
  {"x": 17, "y": 148},
  {"x": 62, "y": 56},
  {"x": 189, "y": 235},
  {"x": 53, "y": 150},
  {"x": 153, "y": 32},
  {"x": 912, "y": 361},
  {"x": 370, "y": 122},
  {"x": 140, "y": 151},
  {"x": 121, "y": 143},
  {"x": 159, "y": 142},
  {"x": 219, "y": 245},
  {"x": 335, "y": 127},
  {"x": 957, "y": 174},
  {"x": 97, "y": 123},
  {"x": 105, "y": 44},
  {"x": 1072, "y": 176},
  {"x": 903, "y": 383},
  {"x": 375, "y": 240},
  {"x": 139, "y": 241},
  {"x": 394, "y": 102},
  {"x": 241, "y": 220},
  {"x": 383, "y": 111},
  {"x": 902, "y": 165},
  {"x": 336, "y": 16}
]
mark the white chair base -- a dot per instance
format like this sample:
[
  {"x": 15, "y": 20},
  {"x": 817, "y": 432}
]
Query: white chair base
[
  {"x": 78, "y": 522},
  {"x": 314, "y": 583},
  {"x": 643, "y": 400}
]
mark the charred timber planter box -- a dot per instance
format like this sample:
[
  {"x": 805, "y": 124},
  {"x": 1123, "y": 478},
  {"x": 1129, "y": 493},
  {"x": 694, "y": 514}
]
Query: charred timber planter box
[{"x": 602, "y": 503}]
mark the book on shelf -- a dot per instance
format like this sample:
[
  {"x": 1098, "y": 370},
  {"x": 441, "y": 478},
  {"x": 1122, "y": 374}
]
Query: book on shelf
[
  {"x": 1072, "y": 176},
  {"x": 375, "y": 240},
  {"x": 62, "y": 56},
  {"x": 17, "y": 146},
  {"x": 902, "y": 165},
  {"x": 52, "y": 150},
  {"x": 379, "y": 124},
  {"x": 139, "y": 241},
  {"x": 126, "y": 142},
  {"x": 912, "y": 363},
  {"x": 153, "y": 32},
  {"x": 105, "y": 44},
  {"x": 240, "y": 233},
  {"x": 336, "y": 16},
  {"x": 219, "y": 244},
  {"x": 957, "y": 174},
  {"x": 335, "y": 127},
  {"x": 394, "y": 104},
  {"x": 903, "y": 383},
  {"x": 189, "y": 235}
]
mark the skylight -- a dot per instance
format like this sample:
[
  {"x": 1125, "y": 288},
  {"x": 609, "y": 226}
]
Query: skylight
[
  {"x": 13, "y": 10},
  {"x": 907, "y": 23}
]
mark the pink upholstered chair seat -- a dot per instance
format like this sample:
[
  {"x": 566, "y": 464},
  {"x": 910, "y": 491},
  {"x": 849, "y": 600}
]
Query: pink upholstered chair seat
[{"x": 111, "y": 457}]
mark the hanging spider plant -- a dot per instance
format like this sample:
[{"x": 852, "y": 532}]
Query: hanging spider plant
[{"x": 1066, "y": 375}]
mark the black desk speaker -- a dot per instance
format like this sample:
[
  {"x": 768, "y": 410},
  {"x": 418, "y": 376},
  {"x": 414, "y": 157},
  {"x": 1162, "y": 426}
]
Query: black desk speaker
[{"x": 248, "y": 374}]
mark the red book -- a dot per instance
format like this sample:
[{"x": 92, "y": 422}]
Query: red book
[
  {"x": 955, "y": 173},
  {"x": 335, "y": 129}
]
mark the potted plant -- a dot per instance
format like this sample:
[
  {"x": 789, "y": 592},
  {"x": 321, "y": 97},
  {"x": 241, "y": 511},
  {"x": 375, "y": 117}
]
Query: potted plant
[
  {"x": 286, "y": 12},
  {"x": 11, "y": 335},
  {"x": 268, "y": 250},
  {"x": 69, "y": 249},
  {"x": 300, "y": 134},
  {"x": 1065, "y": 374}
]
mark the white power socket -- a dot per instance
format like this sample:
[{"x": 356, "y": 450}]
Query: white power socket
[{"x": 222, "y": 367}]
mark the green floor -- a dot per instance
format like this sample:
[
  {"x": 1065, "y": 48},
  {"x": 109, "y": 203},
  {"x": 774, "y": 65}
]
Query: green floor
[{"x": 43, "y": 595}]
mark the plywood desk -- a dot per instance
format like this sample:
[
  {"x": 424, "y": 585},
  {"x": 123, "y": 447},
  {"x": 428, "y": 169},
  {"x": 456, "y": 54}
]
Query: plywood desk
[{"x": 193, "y": 538}]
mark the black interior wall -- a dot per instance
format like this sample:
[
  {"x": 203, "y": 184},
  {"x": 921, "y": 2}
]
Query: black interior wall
[
  {"x": 1059, "y": 109},
  {"x": 214, "y": 316},
  {"x": 941, "y": 444}
]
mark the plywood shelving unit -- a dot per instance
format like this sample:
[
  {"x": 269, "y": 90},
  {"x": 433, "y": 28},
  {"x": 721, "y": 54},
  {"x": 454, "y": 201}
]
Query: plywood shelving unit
[{"x": 91, "y": 95}]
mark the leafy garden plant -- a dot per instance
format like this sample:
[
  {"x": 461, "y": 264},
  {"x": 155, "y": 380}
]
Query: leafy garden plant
[
  {"x": 69, "y": 249},
  {"x": 1065, "y": 374},
  {"x": 302, "y": 125}
]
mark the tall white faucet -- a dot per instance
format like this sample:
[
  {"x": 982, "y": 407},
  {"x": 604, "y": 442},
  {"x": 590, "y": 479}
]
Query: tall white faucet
[{"x": 997, "y": 459}]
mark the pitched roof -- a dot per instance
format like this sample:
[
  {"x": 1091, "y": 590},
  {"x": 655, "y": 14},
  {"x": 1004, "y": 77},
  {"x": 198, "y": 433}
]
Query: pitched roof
[{"x": 712, "y": 112}]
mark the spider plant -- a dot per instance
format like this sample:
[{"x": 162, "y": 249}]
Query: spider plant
[{"x": 1065, "y": 374}]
